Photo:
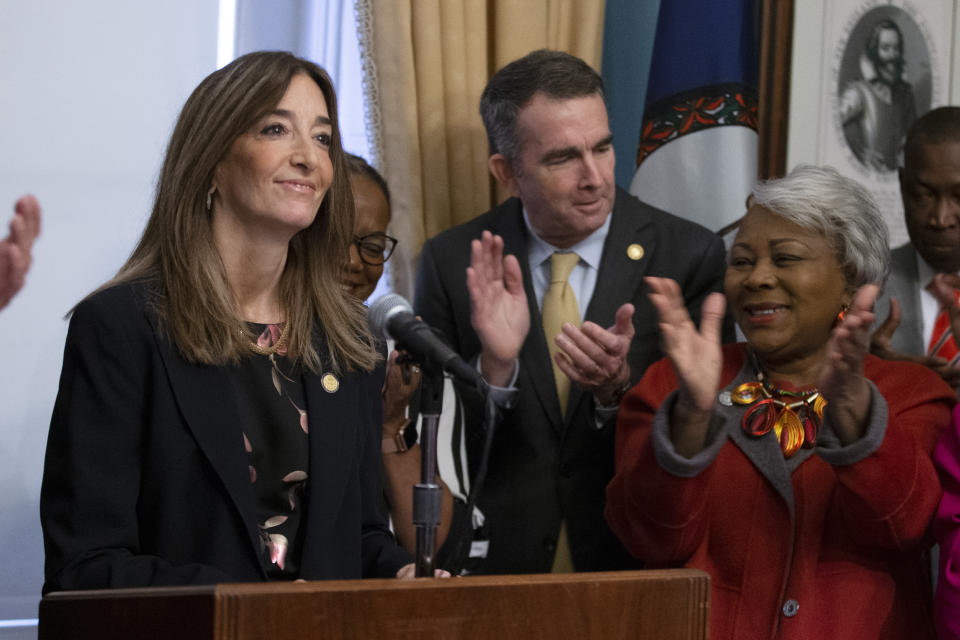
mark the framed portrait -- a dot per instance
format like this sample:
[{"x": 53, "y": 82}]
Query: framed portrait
[{"x": 861, "y": 72}]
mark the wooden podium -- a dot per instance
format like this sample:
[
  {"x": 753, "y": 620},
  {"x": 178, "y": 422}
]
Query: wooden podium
[{"x": 665, "y": 605}]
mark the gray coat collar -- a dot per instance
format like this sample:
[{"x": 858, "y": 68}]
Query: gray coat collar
[{"x": 764, "y": 451}]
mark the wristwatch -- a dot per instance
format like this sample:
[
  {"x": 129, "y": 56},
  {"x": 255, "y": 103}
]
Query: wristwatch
[
  {"x": 617, "y": 395},
  {"x": 402, "y": 440}
]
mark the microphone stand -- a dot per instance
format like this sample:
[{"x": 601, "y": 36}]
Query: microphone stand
[{"x": 427, "y": 494}]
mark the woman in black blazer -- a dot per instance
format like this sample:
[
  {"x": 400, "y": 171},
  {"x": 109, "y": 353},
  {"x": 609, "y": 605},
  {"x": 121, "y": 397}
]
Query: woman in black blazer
[{"x": 218, "y": 417}]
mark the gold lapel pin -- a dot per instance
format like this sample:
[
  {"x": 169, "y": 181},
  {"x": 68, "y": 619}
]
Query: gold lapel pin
[
  {"x": 330, "y": 383},
  {"x": 635, "y": 251}
]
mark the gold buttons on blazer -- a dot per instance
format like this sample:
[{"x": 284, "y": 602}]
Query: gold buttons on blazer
[
  {"x": 635, "y": 251},
  {"x": 329, "y": 382}
]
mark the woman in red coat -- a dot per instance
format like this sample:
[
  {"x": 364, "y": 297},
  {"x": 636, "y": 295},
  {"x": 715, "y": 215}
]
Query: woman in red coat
[{"x": 795, "y": 469}]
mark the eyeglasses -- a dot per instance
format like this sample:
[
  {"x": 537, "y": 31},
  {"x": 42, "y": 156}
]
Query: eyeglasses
[{"x": 375, "y": 248}]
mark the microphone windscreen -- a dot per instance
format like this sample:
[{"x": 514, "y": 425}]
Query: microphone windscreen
[{"x": 384, "y": 308}]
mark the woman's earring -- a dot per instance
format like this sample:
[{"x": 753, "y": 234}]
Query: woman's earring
[
  {"x": 210, "y": 197},
  {"x": 840, "y": 315}
]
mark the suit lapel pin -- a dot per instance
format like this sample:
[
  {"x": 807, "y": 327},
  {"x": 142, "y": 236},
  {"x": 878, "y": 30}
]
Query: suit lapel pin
[
  {"x": 635, "y": 251},
  {"x": 330, "y": 383}
]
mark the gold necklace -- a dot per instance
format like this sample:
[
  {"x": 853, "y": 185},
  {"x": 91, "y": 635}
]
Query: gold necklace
[
  {"x": 794, "y": 416},
  {"x": 253, "y": 341}
]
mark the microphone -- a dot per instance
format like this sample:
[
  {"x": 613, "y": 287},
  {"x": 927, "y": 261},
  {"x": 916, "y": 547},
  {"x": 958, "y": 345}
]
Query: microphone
[{"x": 392, "y": 315}]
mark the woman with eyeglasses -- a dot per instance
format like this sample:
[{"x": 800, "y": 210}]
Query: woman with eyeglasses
[
  {"x": 499, "y": 280},
  {"x": 371, "y": 247}
]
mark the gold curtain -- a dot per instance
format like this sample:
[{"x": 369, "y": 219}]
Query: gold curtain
[{"x": 426, "y": 63}]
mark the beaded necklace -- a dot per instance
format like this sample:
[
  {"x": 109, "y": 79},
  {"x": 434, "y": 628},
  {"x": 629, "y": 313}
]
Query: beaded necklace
[
  {"x": 794, "y": 416},
  {"x": 273, "y": 348}
]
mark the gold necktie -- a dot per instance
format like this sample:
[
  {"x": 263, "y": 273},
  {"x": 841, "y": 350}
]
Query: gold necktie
[{"x": 559, "y": 306}]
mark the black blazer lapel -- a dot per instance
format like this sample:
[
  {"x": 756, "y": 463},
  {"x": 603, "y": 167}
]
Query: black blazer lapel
[
  {"x": 534, "y": 355},
  {"x": 335, "y": 442},
  {"x": 203, "y": 394},
  {"x": 621, "y": 273}
]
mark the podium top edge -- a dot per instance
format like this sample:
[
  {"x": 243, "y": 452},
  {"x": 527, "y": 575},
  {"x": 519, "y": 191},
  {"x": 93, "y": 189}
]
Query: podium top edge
[{"x": 217, "y": 590}]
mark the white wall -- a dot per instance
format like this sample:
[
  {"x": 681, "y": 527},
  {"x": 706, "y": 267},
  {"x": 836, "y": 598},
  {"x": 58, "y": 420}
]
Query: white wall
[{"x": 90, "y": 93}]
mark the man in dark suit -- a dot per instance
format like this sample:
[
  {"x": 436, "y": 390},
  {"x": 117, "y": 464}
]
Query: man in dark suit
[
  {"x": 923, "y": 272},
  {"x": 551, "y": 147}
]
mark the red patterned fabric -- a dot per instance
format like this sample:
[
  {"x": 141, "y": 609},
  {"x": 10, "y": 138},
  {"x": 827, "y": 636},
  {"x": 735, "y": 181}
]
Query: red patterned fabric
[{"x": 942, "y": 343}]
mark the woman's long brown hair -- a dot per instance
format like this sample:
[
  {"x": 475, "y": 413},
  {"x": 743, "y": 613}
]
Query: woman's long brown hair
[{"x": 178, "y": 258}]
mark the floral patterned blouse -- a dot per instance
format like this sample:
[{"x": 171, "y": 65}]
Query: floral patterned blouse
[{"x": 269, "y": 393}]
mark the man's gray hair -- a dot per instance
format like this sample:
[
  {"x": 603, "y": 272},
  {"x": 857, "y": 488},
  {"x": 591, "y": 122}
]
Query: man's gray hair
[{"x": 822, "y": 200}]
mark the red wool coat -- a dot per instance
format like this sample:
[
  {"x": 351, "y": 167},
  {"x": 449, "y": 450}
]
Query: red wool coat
[{"x": 814, "y": 550}]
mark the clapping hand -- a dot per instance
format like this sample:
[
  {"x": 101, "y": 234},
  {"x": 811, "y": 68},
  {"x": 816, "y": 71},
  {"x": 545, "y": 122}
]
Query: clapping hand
[
  {"x": 881, "y": 342},
  {"x": 498, "y": 307},
  {"x": 842, "y": 382},
  {"x": 595, "y": 358},
  {"x": 15, "y": 248},
  {"x": 696, "y": 357},
  {"x": 695, "y": 354}
]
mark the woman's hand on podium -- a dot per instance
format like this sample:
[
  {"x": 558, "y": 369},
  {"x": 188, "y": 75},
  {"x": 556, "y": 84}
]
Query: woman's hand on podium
[{"x": 409, "y": 571}]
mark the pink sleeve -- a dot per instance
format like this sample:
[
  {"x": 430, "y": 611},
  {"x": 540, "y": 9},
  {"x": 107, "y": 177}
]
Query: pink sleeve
[{"x": 947, "y": 529}]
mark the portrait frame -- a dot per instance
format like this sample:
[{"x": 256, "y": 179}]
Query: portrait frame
[{"x": 819, "y": 34}]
